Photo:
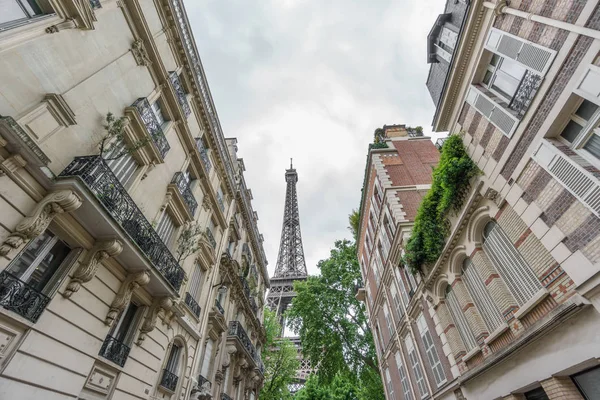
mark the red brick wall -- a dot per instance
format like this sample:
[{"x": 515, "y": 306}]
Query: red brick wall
[
  {"x": 417, "y": 157},
  {"x": 410, "y": 201}
]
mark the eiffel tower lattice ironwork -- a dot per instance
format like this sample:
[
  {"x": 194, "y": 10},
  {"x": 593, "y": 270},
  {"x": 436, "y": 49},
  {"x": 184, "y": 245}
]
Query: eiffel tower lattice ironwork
[{"x": 290, "y": 267}]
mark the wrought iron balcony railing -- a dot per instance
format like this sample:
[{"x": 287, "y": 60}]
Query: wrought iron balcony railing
[
  {"x": 202, "y": 381},
  {"x": 220, "y": 201},
  {"x": 526, "y": 91},
  {"x": 101, "y": 181},
  {"x": 192, "y": 304},
  {"x": 219, "y": 307},
  {"x": 114, "y": 350},
  {"x": 211, "y": 238},
  {"x": 259, "y": 363},
  {"x": 181, "y": 97},
  {"x": 185, "y": 191},
  {"x": 236, "y": 329},
  {"x": 154, "y": 129},
  {"x": 439, "y": 143},
  {"x": 203, "y": 154},
  {"x": 169, "y": 380},
  {"x": 245, "y": 286},
  {"x": 18, "y": 296},
  {"x": 225, "y": 396}
]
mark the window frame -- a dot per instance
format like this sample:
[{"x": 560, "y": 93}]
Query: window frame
[
  {"x": 404, "y": 381},
  {"x": 588, "y": 128},
  {"x": 431, "y": 351},
  {"x": 416, "y": 366}
]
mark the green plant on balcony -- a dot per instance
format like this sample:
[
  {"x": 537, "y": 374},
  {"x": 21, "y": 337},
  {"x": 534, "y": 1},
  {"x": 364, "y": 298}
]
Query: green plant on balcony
[
  {"x": 113, "y": 145},
  {"x": 187, "y": 242},
  {"x": 449, "y": 189}
]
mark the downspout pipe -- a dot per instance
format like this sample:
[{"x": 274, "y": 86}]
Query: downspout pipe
[{"x": 503, "y": 8}]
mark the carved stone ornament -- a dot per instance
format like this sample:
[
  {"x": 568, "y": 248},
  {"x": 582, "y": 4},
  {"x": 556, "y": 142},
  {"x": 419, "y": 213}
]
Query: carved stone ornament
[
  {"x": 201, "y": 392},
  {"x": 68, "y": 23},
  {"x": 10, "y": 165},
  {"x": 162, "y": 303},
  {"x": 31, "y": 227},
  {"x": 89, "y": 265},
  {"x": 131, "y": 283},
  {"x": 140, "y": 54},
  {"x": 219, "y": 377},
  {"x": 459, "y": 394},
  {"x": 206, "y": 203}
]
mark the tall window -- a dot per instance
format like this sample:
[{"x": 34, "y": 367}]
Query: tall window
[
  {"x": 388, "y": 319},
  {"x": 208, "y": 355},
  {"x": 118, "y": 342},
  {"x": 196, "y": 282},
  {"x": 166, "y": 228},
  {"x": 416, "y": 365},
  {"x": 170, "y": 374},
  {"x": 122, "y": 163},
  {"x": 406, "y": 390},
  {"x": 446, "y": 44},
  {"x": 582, "y": 132},
  {"x": 461, "y": 322},
  {"x": 432, "y": 354},
  {"x": 388, "y": 382},
  {"x": 158, "y": 113},
  {"x": 503, "y": 77},
  {"x": 15, "y": 12},
  {"x": 173, "y": 361},
  {"x": 401, "y": 285},
  {"x": 397, "y": 301},
  {"x": 588, "y": 383},
  {"x": 476, "y": 286},
  {"x": 509, "y": 262}
]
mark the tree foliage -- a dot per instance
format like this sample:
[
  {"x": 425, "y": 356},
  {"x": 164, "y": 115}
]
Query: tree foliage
[
  {"x": 354, "y": 220},
  {"x": 342, "y": 387},
  {"x": 113, "y": 145},
  {"x": 333, "y": 324},
  {"x": 448, "y": 191},
  {"x": 188, "y": 241},
  {"x": 280, "y": 358}
]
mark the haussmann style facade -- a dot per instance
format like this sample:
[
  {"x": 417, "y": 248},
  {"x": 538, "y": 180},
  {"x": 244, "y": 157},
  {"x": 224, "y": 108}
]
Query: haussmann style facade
[
  {"x": 98, "y": 299},
  {"x": 511, "y": 309}
]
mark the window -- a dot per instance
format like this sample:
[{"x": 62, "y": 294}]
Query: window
[
  {"x": 401, "y": 285},
  {"x": 503, "y": 77},
  {"x": 388, "y": 319},
  {"x": 432, "y": 354},
  {"x": 416, "y": 365},
  {"x": 461, "y": 322},
  {"x": 121, "y": 162},
  {"x": 15, "y": 12},
  {"x": 536, "y": 394},
  {"x": 390, "y": 387},
  {"x": 195, "y": 282},
  {"x": 31, "y": 278},
  {"x": 446, "y": 44},
  {"x": 397, "y": 301},
  {"x": 407, "y": 391},
  {"x": 588, "y": 383},
  {"x": 582, "y": 131},
  {"x": 517, "y": 274},
  {"x": 166, "y": 228},
  {"x": 489, "y": 311},
  {"x": 158, "y": 113},
  {"x": 117, "y": 344},
  {"x": 208, "y": 355},
  {"x": 169, "y": 378},
  {"x": 379, "y": 339}
]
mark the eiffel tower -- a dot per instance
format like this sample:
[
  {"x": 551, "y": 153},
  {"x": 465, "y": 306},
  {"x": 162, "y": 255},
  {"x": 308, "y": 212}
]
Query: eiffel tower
[{"x": 291, "y": 267}]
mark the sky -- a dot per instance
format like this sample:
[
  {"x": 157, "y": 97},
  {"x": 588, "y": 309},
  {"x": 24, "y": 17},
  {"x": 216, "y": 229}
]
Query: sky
[{"x": 312, "y": 80}]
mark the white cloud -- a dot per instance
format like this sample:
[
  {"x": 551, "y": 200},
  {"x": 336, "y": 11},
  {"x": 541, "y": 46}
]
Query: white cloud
[{"x": 312, "y": 80}]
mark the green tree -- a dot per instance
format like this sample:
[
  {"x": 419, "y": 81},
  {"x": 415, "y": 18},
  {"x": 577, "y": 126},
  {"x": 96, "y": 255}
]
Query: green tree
[
  {"x": 280, "y": 358},
  {"x": 333, "y": 324},
  {"x": 342, "y": 387},
  {"x": 113, "y": 145},
  {"x": 354, "y": 220}
]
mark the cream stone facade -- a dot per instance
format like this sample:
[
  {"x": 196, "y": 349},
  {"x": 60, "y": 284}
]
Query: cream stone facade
[
  {"x": 511, "y": 308},
  {"x": 98, "y": 299}
]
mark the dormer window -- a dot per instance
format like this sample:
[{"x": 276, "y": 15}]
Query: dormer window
[{"x": 446, "y": 44}]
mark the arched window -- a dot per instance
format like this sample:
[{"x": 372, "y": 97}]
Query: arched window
[
  {"x": 489, "y": 311},
  {"x": 173, "y": 367},
  {"x": 517, "y": 274},
  {"x": 461, "y": 321}
]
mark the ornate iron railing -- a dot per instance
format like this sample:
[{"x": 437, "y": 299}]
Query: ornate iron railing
[
  {"x": 185, "y": 191},
  {"x": 18, "y": 296},
  {"x": 100, "y": 180},
  {"x": 154, "y": 129},
  {"x": 220, "y": 201},
  {"x": 245, "y": 286},
  {"x": 219, "y": 307},
  {"x": 181, "y": 97},
  {"x": 236, "y": 329},
  {"x": 439, "y": 143},
  {"x": 169, "y": 380},
  {"x": 203, "y": 154},
  {"x": 253, "y": 305},
  {"x": 192, "y": 304},
  {"x": 259, "y": 363},
  {"x": 526, "y": 91},
  {"x": 194, "y": 59},
  {"x": 211, "y": 238},
  {"x": 114, "y": 350},
  {"x": 95, "y": 4},
  {"x": 225, "y": 396},
  {"x": 202, "y": 380}
]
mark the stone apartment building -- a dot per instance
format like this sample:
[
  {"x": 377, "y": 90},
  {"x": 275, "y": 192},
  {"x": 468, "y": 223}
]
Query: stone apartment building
[
  {"x": 100, "y": 299},
  {"x": 514, "y": 295}
]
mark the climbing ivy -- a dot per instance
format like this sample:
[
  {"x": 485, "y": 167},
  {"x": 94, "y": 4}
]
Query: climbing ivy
[{"x": 449, "y": 188}]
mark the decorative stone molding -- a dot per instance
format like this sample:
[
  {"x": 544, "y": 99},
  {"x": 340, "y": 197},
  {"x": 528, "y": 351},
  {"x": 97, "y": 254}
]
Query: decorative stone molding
[
  {"x": 60, "y": 109},
  {"x": 10, "y": 165},
  {"x": 131, "y": 283},
  {"x": 162, "y": 303},
  {"x": 140, "y": 54},
  {"x": 68, "y": 23},
  {"x": 206, "y": 256},
  {"x": 31, "y": 227},
  {"x": 206, "y": 203},
  {"x": 89, "y": 265}
]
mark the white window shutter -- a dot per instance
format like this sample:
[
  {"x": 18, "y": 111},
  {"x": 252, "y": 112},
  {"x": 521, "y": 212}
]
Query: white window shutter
[
  {"x": 532, "y": 56},
  {"x": 588, "y": 85},
  {"x": 492, "y": 111}
]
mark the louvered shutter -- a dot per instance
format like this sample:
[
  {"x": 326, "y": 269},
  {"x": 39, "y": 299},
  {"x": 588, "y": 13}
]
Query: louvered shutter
[
  {"x": 532, "y": 56},
  {"x": 494, "y": 112}
]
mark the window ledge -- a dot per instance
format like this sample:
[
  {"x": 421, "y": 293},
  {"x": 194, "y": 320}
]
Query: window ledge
[
  {"x": 496, "y": 334},
  {"x": 530, "y": 305},
  {"x": 476, "y": 350}
]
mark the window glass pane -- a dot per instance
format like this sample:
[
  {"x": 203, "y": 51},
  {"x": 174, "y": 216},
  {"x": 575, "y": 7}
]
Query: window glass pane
[
  {"x": 125, "y": 323},
  {"x": 505, "y": 84},
  {"x": 593, "y": 145},
  {"x": 586, "y": 110},
  {"x": 571, "y": 131},
  {"x": 158, "y": 112},
  {"x": 495, "y": 59},
  {"x": 11, "y": 11},
  {"x": 512, "y": 69},
  {"x": 589, "y": 383},
  {"x": 536, "y": 394},
  {"x": 49, "y": 265},
  {"x": 487, "y": 77}
]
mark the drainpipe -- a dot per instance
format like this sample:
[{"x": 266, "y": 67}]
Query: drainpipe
[{"x": 503, "y": 8}]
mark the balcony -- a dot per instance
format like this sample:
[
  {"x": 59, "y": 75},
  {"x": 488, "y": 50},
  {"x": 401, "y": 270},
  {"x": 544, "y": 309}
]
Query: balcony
[
  {"x": 211, "y": 238},
  {"x": 526, "y": 91},
  {"x": 18, "y": 296},
  {"x": 183, "y": 188},
  {"x": 203, "y": 155},
  {"x": 219, "y": 307},
  {"x": 237, "y": 331},
  {"x": 169, "y": 380},
  {"x": 114, "y": 350},
  {"x": 152, "y": 126},
  {"x": 104, "y": 185},
  {"x": 245, "y": 286},
  {"x": 181, "y": 97},
  {"x": 192, "y": 304}
]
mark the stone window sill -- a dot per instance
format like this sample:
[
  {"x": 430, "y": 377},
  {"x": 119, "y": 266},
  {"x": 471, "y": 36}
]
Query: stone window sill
[
  {"x": 530, "y": 305},
  {"x": 496, "y": 334},
  {"x": 476, "y": 350}
]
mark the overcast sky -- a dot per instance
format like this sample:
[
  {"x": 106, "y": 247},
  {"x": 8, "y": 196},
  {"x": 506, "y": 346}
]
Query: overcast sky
[{"x": 312, "y": 80}]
